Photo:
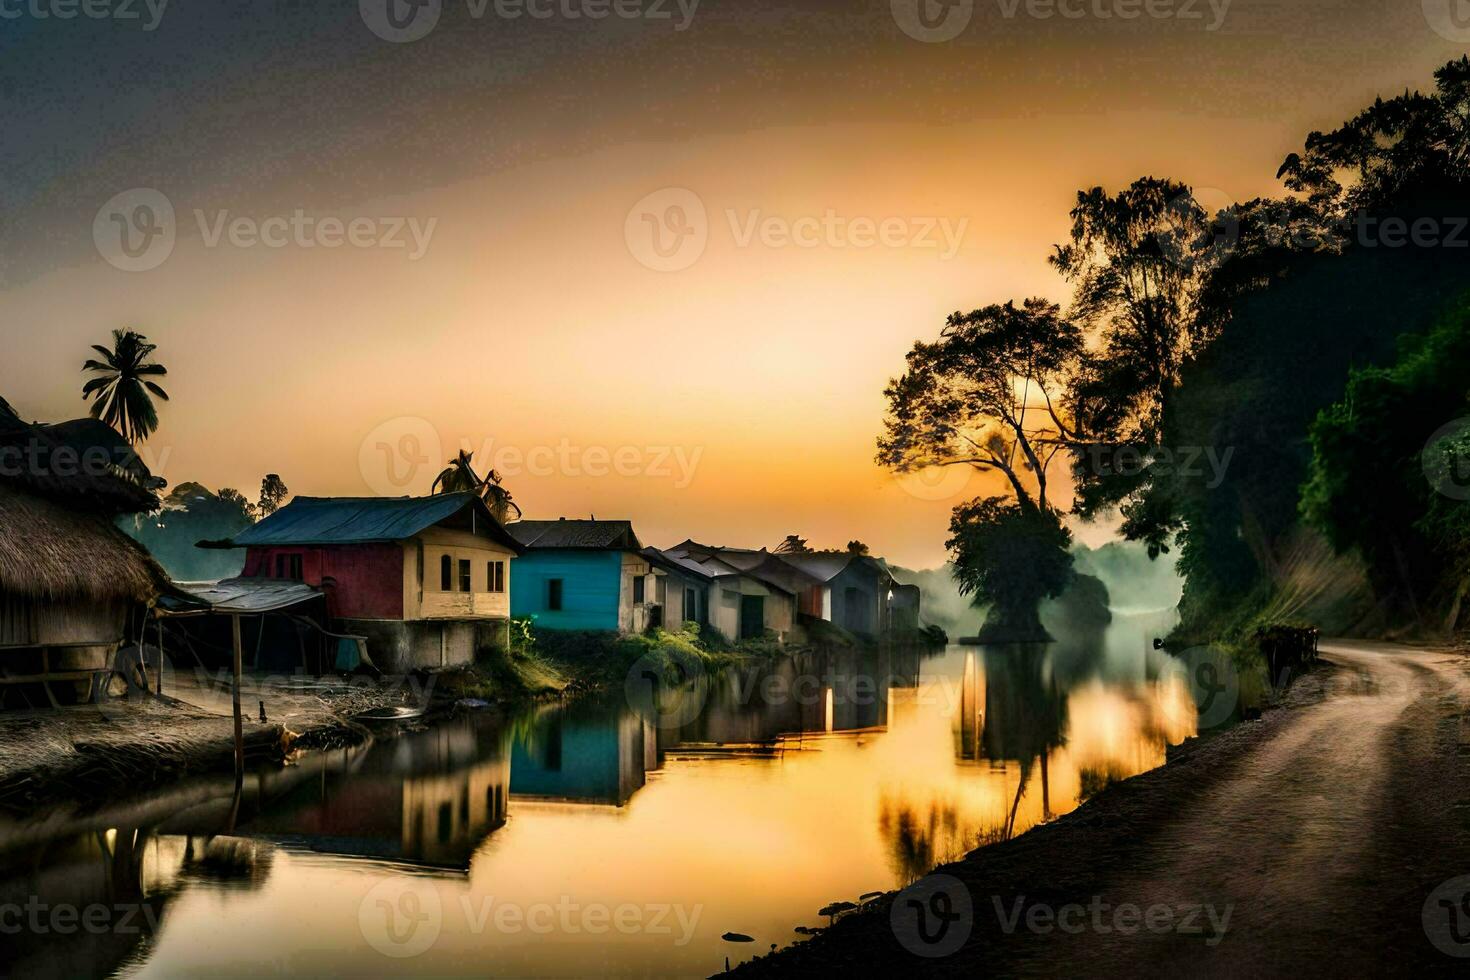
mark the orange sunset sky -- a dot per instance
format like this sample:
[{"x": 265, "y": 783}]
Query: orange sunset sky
[{"x": 529, "y": 321}]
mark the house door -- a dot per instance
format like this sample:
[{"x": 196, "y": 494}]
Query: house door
[{"x": 752, "y": 616}]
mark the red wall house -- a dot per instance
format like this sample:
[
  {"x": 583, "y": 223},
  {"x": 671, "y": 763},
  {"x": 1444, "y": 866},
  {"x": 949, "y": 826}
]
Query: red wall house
[{"x": 361, "y": 581}]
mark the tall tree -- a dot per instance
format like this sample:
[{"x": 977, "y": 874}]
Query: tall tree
[
  {"x": 460, "y": 477},
  {"x": 122, "y": 392},
  {"x": 989, "y": 395},
  {"x": 273, "y": 492}
]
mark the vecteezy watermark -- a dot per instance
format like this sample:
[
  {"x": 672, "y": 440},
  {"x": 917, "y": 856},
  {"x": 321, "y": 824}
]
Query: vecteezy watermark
[
  {"x": 932, "y": 917},
  {"x": 1125, "y": 918},
  {"x": 1450, "y": 19},
  {"x": 41, "y": 459},
  {"x": 1446, "y": 917},
  {"x": 39, "y": 918},
  {"x": 1189, "y": 461},
  {"x": 136, "y": 230},
  {"x": 668, "y": 230},
  {"x": 1208, "y": 673},
  {"x": 1446, "y": 459},
  {"x": 934, "y": 21},
  {"x": 404, "y": 21},
  {"x": 403, "y": 454},
  {"x": 147, "y": 12},
  {"x": 668, "y": 694},
  {"x": 936, "y": 482},
  {"x": 403, "y": 917}
]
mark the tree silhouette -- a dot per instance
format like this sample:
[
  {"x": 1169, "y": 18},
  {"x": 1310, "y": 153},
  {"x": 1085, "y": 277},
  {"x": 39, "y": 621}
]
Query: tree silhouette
[
  {"x": 793, "y": 544},
  {"x": 460, "y": 477},
  {"x": 272, "y": 492},
  {"x": 121, "y": 393}
]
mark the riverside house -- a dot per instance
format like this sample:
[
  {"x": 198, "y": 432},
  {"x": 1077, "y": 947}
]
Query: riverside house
[
  {"x": 424, "y": 580},
  {"x": 73, "y": 587},
  {"x": 584, "y": 575},
  {"x": 751, "y": 593},
  {"x": 854, "y": 592}
]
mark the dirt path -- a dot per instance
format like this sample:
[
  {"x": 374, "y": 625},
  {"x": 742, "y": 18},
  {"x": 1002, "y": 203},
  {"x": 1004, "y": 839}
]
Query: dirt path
[{"x": 1303, "y": 845}]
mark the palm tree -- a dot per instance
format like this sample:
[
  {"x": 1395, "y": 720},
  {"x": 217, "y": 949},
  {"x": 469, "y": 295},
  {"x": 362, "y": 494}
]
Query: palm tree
[
  {"x": 122, "y": 387},
  {"x": 460, "y": 477}
]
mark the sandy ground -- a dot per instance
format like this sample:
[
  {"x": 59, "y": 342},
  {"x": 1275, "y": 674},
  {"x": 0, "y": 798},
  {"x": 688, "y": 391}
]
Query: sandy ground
[{"x": 1320, "y": 831}]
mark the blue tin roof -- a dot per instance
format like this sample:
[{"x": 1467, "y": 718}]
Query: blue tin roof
[{"x": 366, "y": 520}]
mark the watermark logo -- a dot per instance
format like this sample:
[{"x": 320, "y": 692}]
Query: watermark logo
[
  {"x": 1446, "y": 459},
  {"x": 932, "y": 917},
  {"x": 1446, "y": 917},
  {"x": 150, "y": 12},
  {"x": 1209, "y": 675},
  {"x": 1201, "y": 229},
  {"x": 1103, "y": 918},
  {"x": 667, "y": 231},
  {"x": 400, "y": 21},
  {"x": 1450, "y": 19},
  {"x": 932, "y": 21},
  {"x": 668, "y": 694},
  {"x": 396, "y": 458},
  {"x": 135, "y": 230},
  {"x": 401, "y": 917}
]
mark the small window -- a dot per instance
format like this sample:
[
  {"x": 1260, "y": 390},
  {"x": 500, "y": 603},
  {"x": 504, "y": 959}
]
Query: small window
[
  {"x": 691, "y": 605},
  {"x": 640, "y": 589},
  {"x": 289, "y": 566},
  {"x": 495, "y": 576},
  {"x": 465, "y": 585},
  {"x": 553, "y": 594},
  {"x": 446, "y": 574}
]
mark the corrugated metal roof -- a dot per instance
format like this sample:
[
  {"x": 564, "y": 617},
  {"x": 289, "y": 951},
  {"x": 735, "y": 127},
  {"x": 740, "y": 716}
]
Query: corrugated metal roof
[
  {"x": 823, "y": 566},
  {"x": 563, "y": 533},
  {"x": 677, "y": 563},
  {"x": 364, "y": 520},
  {"x": 244, "y": 596}
]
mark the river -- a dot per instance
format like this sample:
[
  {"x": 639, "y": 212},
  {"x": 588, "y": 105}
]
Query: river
[{"x": 619, "y": 835}]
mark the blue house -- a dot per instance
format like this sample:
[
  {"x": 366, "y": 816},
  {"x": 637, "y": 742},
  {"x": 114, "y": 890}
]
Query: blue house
[{"x": 583, "y": 575}]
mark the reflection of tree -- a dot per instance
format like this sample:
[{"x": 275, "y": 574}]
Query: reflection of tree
[
  {"x": 1024, "y": 710},
  {"x": 922, "y": 835}
]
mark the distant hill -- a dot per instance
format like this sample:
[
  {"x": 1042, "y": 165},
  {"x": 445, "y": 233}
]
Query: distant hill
[{"x": 191, "y": 513}]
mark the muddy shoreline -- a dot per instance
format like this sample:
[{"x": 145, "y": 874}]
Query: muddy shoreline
[{"x": 1092, "y": 850}]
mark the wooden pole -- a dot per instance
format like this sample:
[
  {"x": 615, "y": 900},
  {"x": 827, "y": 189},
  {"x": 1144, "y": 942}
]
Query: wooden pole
[{"x": 239, "y": 725}]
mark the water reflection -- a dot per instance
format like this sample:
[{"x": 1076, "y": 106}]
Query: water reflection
[{"x": 796, "y": 782}]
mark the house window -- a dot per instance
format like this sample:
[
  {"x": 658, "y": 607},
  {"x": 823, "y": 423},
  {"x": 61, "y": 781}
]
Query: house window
[
  {"x": 691, "y": 605},
  {"x": 446, "y": 574},
  {"x": 495, "y": 576},
  {"x": 640, "y": 589},
  {"x": 553, "y": 594},
  {"x": 465, "y": 585},
  {"x": 288, "y": 566}
]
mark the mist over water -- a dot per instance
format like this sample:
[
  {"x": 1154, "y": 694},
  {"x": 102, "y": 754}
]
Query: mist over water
[{"x": 1135, "y": 583}]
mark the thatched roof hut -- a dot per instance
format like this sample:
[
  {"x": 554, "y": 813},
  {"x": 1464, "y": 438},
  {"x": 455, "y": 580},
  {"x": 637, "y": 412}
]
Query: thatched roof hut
[{"x": 52, "y": 552}]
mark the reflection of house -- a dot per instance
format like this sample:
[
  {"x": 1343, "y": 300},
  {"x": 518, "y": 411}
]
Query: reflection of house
[
  {"x": 425, "y": 579},
  {"x": 852, "y": 591},
  {"x": 751, "y": 592},
  {"x": 424, "y": 797},
  {"x": 583, "y": 753},
  {"x": 70, "y": 581},
  {"x": 583, "y": 575}
]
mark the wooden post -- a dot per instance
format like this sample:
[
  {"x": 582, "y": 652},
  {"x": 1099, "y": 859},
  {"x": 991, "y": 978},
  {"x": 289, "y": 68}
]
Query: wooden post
[
  {"x": 159, "y": 620},
  {"x": 239, "y": 726}
]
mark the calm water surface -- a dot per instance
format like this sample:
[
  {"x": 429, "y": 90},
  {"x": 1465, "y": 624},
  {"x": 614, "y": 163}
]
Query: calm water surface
[{"x": 594, "y": 837}]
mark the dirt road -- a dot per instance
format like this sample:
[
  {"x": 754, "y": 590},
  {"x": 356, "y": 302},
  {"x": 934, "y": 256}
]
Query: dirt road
[{"x": 1306, "y": 844}]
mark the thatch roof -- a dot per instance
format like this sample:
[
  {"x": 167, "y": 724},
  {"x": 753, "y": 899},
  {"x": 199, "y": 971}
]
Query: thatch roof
[{"x": 48, "y": 551}]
